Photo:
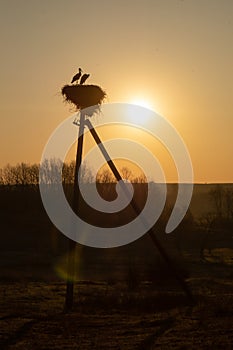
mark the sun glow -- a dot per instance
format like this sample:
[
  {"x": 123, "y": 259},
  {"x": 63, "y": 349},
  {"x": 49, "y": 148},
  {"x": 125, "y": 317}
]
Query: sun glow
[{"x": 141, "y": 102}]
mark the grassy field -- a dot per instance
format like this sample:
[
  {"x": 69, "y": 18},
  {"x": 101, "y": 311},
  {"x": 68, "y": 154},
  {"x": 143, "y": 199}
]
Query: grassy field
[
  {"x": 110, "y": 315},
  {"x": 125, "y": 298}
]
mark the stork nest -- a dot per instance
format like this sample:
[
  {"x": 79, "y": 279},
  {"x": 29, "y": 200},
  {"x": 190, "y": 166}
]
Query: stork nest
[{"x": 83, "y": 96}]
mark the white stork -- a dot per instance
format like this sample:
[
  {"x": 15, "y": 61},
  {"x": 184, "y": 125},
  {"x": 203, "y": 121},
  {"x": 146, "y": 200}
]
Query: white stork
[
  {"x": 77, "y": 76},
  {"x": 84, "y": 78}
]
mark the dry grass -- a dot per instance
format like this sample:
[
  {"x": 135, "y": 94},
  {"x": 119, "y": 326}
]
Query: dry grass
[
  {"x": 219, "y": 255},
  {"x": 111, "y": 318}
]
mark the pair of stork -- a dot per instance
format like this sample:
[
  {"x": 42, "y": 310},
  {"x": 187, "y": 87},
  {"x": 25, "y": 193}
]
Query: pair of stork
[{"x": 76, "y": 77}]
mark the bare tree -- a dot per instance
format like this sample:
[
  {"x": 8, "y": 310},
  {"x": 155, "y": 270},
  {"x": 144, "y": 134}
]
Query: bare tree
[
  {"x": 105, "y": 176},
  {"x": 14, "y": 175},
  {"x": 33, "y": 174},
  {"x": 68, "y": 173},
  {"x": 86, "y": 173},
  {"x": 1, "y": 177},
  {"x": 141, "y": 179},
  {"x": 50, "y": 171},
  {"x": 126, "y": 173}
]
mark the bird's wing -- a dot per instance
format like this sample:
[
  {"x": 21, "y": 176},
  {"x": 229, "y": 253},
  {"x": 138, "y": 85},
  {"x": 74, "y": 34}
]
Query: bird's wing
[
  {"x": 84, "y": 78},
  {"x": 76, "y": 77}
]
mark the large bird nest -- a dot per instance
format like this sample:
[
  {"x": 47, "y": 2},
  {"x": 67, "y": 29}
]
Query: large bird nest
[{"x": 83, "y": 96}]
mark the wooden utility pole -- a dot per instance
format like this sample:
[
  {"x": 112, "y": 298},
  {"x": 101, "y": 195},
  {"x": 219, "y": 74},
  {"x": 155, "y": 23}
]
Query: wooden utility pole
[{"x": 75, "y": 207}]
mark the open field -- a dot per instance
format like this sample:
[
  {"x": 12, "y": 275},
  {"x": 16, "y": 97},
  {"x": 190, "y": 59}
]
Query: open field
[
  {"x": 126, "y": 297},
  {"x": 113, "y": 314},
  {"x": 110, "y": 317}
]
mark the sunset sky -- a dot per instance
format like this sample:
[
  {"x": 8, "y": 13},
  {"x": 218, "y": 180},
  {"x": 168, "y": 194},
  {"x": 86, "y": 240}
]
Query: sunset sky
[{"x": 176, "y": 55}]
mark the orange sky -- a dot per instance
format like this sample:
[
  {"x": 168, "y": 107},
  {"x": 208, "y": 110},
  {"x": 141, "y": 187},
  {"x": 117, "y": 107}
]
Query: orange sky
[{"x": 176, "y": 54}]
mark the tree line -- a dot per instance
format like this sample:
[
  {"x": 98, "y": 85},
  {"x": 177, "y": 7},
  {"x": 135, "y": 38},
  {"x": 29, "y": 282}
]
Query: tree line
[
  {"x": 28, "y": 174},
  {"x": 25, "y": 174}
]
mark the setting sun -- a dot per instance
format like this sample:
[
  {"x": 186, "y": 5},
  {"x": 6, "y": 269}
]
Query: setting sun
[{"x": 141, "y": 102}]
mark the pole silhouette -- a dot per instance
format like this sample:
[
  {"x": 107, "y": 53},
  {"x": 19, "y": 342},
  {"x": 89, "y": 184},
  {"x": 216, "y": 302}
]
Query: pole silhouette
[
  {"x": 75, "y": 207},
  {"x": 136, "y": 209}
]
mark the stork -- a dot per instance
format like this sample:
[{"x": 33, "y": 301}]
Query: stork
[
  {"x": 84, "y": 78},
  {"x": 77, "y": 76}
]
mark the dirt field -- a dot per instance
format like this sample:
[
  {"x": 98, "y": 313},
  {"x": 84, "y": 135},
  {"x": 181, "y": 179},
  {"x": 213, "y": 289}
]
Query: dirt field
[
  {"x": 111, "y": 317},
  {"x": 124, "y": 298}
]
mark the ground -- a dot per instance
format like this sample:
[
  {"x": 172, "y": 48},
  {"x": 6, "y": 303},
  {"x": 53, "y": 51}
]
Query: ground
[
  {"x": 124, "y": 297},
  {"x": 112, "y": 317}
]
